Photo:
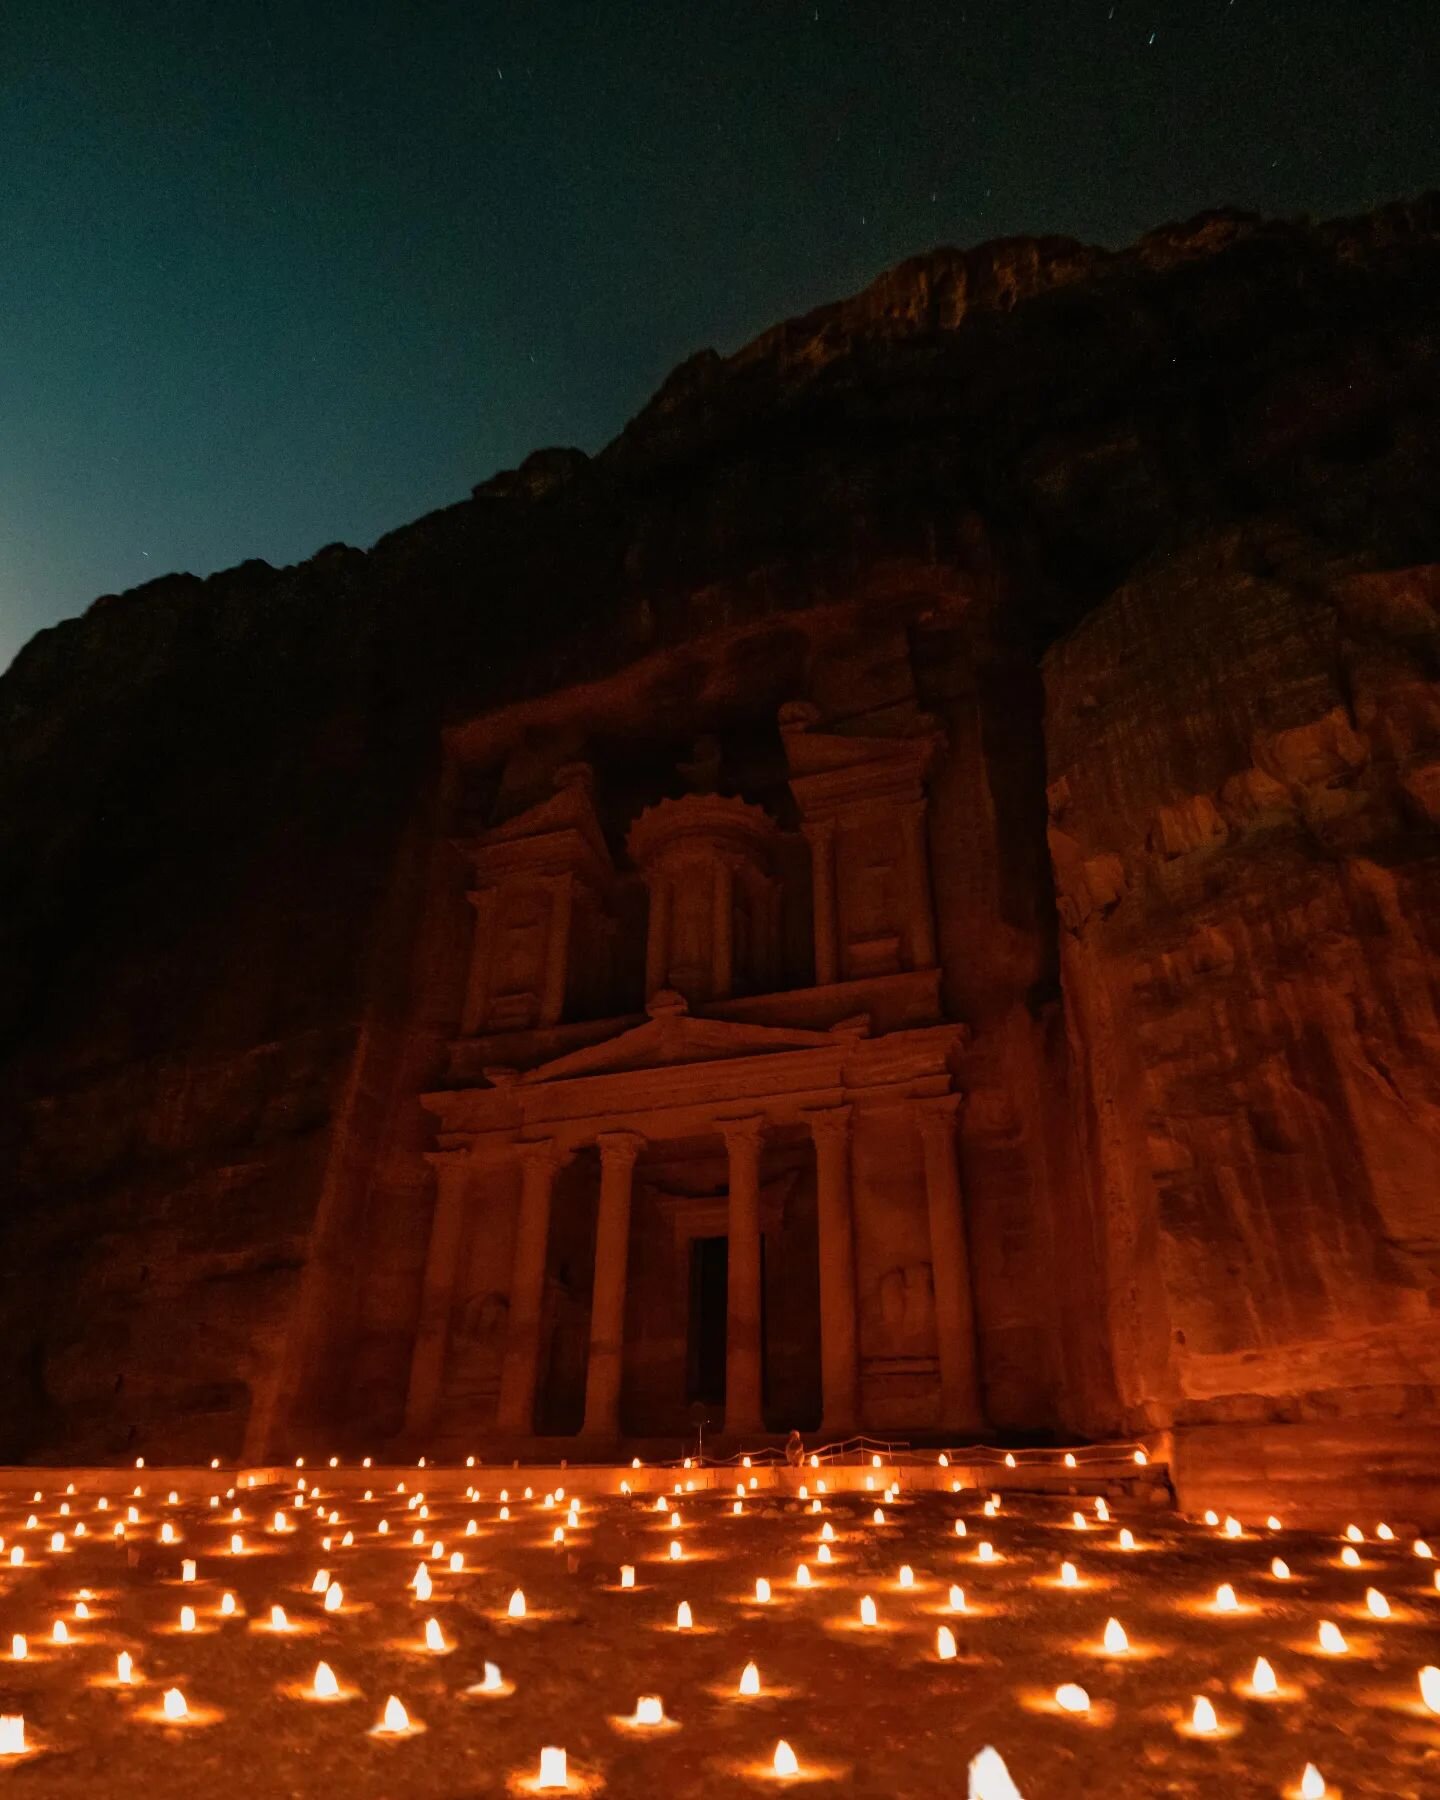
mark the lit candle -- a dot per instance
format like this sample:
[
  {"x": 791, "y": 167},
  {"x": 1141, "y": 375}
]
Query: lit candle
[
  {"x": 1202, "y": 1718},
  {"x": 1280, "y": 1569},
  {"x": 1332, "y": 1641},
  {"x": 1262, "y": 1679},
  {"x": 786, "y": 1762},
  {"x": 278, "y": 1621},
  {"x": 553, "y": 1771},
  {"x": 1376, "y": 1603},
  {"x": 989, "y": 1779},
  {"x": 395, "y": 1719},
  {"x": 173, "y": 1704},
  {"x": 683, "y": 1618},
  {"x": 12, "y": 1734},
  {"x": 1071, "y": 1697},
  {"x": 1069, "y": 1575},
  {"x": 868, "y": 1614},
  {"x": 516, "y": 1608},
  {"x": 957, "y": 1599},
  {"x": 490, "y": 1682},
  {"x": 907, "y": 1576},
  {"x": 1312, "y": 1784},
  {"x": 187, "y": 1570},
  {"x": 945, "y": 1643},
  {"x": 802, "y": 1576},
  {"x": 324, "y": 1686},
  {"x": 1430, "y": 1688},
  {"x": 1115, "y": 1641},
  {"x": 434, "y": 1637},
  {"x": 124, "y": 1668},
  {"x": 762, "y": 1590},
  {"x": 19, "y": 1649},
  {"x": 60, "y": 1632},
  {"x": 649, "y": 1710},
  {"x": 187, "y": 1618},
  {"x": 227, "y": 1605},
  {"x": 627, "y": 1575},
  {"x": 1225, "y": 1601},
  {"x": 749, "y": 1680}
]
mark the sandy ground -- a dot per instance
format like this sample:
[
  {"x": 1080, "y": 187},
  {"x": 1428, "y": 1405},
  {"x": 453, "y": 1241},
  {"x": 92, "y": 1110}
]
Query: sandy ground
[{"x": 868, "y": 1711}]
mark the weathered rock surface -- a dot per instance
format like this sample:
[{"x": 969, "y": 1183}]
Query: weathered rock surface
[{"x": 1155, "y": 536}]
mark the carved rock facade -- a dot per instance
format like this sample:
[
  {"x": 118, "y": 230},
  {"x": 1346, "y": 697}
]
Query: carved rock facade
[{"x": 903, "y": 894}]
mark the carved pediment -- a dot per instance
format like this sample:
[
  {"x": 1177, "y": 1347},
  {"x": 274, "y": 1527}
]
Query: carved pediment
[{"x": 671, "y": 1036}]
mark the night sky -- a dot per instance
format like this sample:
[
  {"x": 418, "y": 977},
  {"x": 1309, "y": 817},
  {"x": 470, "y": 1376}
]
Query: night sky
[{"x": 273, "y": 275}]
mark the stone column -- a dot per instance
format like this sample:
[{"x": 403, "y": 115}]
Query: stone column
[
  {"x": 960, "y": 1405},
  {"x": 657, "y": 938},
  {"x": 477, "y": 981},
  {"x": 839, "y": 1326},
  {"x": 722, "y": 932},
  {"x": 557, "y": 949},
  {"x": 922, "y": 912},
  {"x": 744, "y": 1411},
  {"x": 432, "y": 1331},
  {"x": 618, "y": 1150},
  {"x": 540, "y": 1162},
  {"x": 821, "y": 837}
]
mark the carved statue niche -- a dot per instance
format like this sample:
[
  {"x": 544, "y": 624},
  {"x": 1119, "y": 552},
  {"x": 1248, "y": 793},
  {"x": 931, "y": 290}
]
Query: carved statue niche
[
  {"x": 707, "y": 861},
  {"x": 543, "y": 933},
  {"x": 862, "y": 808}
]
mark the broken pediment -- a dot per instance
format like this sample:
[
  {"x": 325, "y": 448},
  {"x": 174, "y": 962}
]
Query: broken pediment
[{"x": 671, "y": 1035}]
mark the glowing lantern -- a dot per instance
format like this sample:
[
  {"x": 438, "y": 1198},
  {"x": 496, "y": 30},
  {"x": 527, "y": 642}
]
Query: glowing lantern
[
  {"x": 227, "y": 1605},
  {"x": 321, "y": 1581},
  {"x": 490, "y": 1682},
  {"x": 1312, "y": 1784},
  {"x": 12, "y": 1734},
  {"x": 1009, "y": 1459},
  {"x": 762, "y": 1590},
  {"x": 823, "y": 1554},
  {"x": 1262, "y": 1678},
  {"x": 627, "y": 1575},
  {"x": 19, "y": 1649},
  {"x": 237, "y": 1544},
  {"x": 1332, "y": 1641},
  {"x": 674, "y": 1549},
  {"x": 989, "y": 1779},
  {"x": 957, "y": 1599},
  {"x": 945, "y": 1643},
  {"x": 124, "y": 1668},
  {"x": 57, "y": 1540},
  {"x": 959, "y": 1528},
  {"x": 1212, "y": 1517},
  {"x": 1102, "y": 1511},
  {"x": 278, "y": 1620},
  {"x": 324, "y": 1686},
  {"x": 60, "y": 1632},
  {"x": 1202, "y": 1718},
  {"x": 649, "y": 1710},
  {"x": 1225, "y": 1600},
  {"x": 187, "y": 1618},
  {"x": 1376, "y": 1603},
  {"x": 516, "y": 1608},
  {"x": 683, "y": 1616},
  {"x": 187, "y": 1570},
  {"x": 421, "y": 1583},
  {"x": 878, "y": 1517},
  {"x": 1071, "y": 1697},
  {"x": 434, "y": 1637},
  {"x": 1272, "y": 1523},
  {"x": 553, "y": 1772},
  {"x": 986, "y": 1553},
  {"x": 1079, "y": 1521},
  {"x": 868, "y": 1614},
  {"x": 1115, "y": 1641},
  {"x": 1280, "y": 1569},
  {"x": 334, "y": 1597},
  {"x": 1423, "y": 1549},
  {"x": 173, "y": 1704},
  {"x": 1233, "y": 1528},
  {"x": 1430, "y": 1688},
  {"x": 1069, "y": 1575},
  {"x": 1069, "y": 1459},
  {"x": 395, "y": 1719},
  {"x": 1350, "y": 1556},
  {"x": 786, "y": 1761},
  {"x": 1355, "y": 1534},
  {"x": 802, "y": 1576},
  {"x": 1127, "y": 1538}
]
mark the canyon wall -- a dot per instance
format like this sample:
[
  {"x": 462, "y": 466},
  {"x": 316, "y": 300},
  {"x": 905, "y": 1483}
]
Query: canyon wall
[{"x": 1151, "y": 534}]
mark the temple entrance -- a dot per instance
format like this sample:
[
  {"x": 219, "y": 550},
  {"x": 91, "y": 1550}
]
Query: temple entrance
[{"x": 709, "y": 1302}]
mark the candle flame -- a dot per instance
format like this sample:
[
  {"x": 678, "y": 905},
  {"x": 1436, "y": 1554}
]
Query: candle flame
[
  {"x": 516, "y": 1608},
  {"x": 1225, "y": 1600},
  {"x": 762, "y": 1590},
  {"x": 683, "y": 1618},
  {"x": 12, "y": 1734},
  {"x": 868, "y": 1614},
  {"x": 749, "y": 1680},
  {"x": 174, "y": 1704},
  {"x": 649, "y": 1710},
  {"x": 1312, "y": 1784},
  {"x": 1203, "y": 1718},
  {"x": 324, "y": 1686},
  {"x": 396, "y": 1718},
  {"x": 553, "y": 1771},
  {"x": 1332, "y": 1640},
  {"x": 786, "y": 1761},
  {"x": 1071, "y": 1697},
  {"x": 434, "y": 1636},
  {"x": 1377, "y": 1604},
  {"x": 1430, "y": 1688},
  {"x": 1116, "y": 1642},
  {"x": 945, "y": 1643},
  {"x": 1262, "y": 1679},
  {"x": 989, "y": 1779}
]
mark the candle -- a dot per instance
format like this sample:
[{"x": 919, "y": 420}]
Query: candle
[
  {"x": 627, "y": 1575},
  {"x": 124, "y": 1668},
  {"x": 762, "y": 1590},
  {"x": 1430, "y": 1688},
  {"x": 516, "y": 1608},
  {"x": 553, "y": 1772},
  {"x": 1202, "y": 1718},
  {"x": 12, "y": 1734},
  {"x": 749, "y": 1680},
  {"x": 434, "y": 1637},
  {"x": 324, "y": 1686},
  {"x": 1071, "y": 1697},
  {"x": 683, "y": 1618},
  {"x": 945, "y": 1643},
  {"x": 1312, "y": 1784},
  {"x": 1332, "y": 1641},
  {"x": 1115, "y": 1641},
  {"x": 989, "y": 1779},
  {"x": 649, "y": 1710},
  {"x": 868, "y": 1614},
  {"x": 173, "y": 1705},
  {"x": 1376, "y": 1603},
  {"x": 785, "y": 1761},
  {"x": 1225, "y": 1600},
  {"x": 395, "y": 1719}
]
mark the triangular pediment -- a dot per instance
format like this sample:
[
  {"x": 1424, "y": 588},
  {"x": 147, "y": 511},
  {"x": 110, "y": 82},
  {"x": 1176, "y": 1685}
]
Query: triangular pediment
[{"x": 676, "y": 1037}]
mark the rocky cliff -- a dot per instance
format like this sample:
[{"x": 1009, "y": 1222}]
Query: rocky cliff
[{"x": 1155, "y": 532}]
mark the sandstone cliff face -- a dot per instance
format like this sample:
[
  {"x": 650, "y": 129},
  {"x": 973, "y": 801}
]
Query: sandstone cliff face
[{"x": 1152, "y": 533}]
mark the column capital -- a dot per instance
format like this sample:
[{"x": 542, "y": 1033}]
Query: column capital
[
  {"x": 828, "y": 1124},
  {"x": 544, "y": 1153},
  {"x": 445, "y": 1162},
  {"x": 936, "y": 1114},
  {"x": 747, "y": 1133},
  {"x": 619, "y": 1148}
]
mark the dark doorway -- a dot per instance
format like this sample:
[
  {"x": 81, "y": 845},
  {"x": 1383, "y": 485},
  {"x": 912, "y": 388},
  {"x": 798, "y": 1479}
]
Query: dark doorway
[{"x": 709, "y": 1303}]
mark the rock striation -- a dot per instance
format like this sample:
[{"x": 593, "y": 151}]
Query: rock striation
[{"x": 1150, "y": 539}]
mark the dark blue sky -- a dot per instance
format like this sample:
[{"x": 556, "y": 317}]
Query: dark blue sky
[{"x": 277, "y": 274}]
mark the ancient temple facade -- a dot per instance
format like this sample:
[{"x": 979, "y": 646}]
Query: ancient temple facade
[{"x": 696, "y": 1159}]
